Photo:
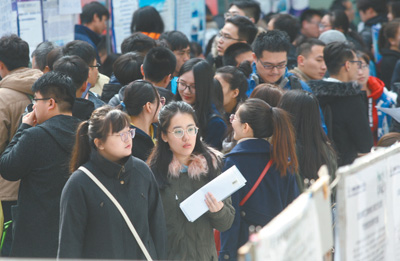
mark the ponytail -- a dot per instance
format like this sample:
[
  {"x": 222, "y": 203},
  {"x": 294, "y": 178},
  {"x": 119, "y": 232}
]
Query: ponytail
[
  {"x": 283, "y": 142},
  {"x": 81, "y": 150}
]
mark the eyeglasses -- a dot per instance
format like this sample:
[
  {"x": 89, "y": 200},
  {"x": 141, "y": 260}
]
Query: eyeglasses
[
  {"x": 130, "y": 134},
  {"x": 359, "y": 64},
  {"x": 232, "y": 118},
  {"x": 95, "y": 66},
  {"x": 182, "y": 87},
  {"x": 180, "y": 132},
  {"x": 35, "y": 100},
  {"x": 162, "y": 101},
  {"x": 364, "y": 66},
  {"x": 269, "y": 66},
  {"x": 228, "y": 15},
  {"x": 323, "y": 26},
  {"x": 227, "y": 37}
]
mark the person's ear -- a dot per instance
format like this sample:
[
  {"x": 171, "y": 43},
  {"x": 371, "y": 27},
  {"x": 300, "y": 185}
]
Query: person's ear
[
  {"x": 46, "y": 69},
  {"x": 254, "y": 57},
  {"x": 300, "y": 60},
  {"x": 147, "y": 106},
  {"x": 164, "y": 137},
  {"x": 235, "y": 93},
  {"x": 52, "y": 104},
  {"x": 98, "y": 144}
]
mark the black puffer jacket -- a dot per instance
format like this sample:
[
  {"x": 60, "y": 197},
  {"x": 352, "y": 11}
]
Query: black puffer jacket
[{"x": 345, "y": 112}]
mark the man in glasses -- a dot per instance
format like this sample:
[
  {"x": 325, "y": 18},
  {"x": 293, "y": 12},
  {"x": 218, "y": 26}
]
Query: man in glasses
[
  {"x": 343, "y": 104},
  {"x": 39, "y": 155},
  {"x": 236, "y": 29},
  {"x": 15, "y": 95},
  {"x": 270, "y": 60}
]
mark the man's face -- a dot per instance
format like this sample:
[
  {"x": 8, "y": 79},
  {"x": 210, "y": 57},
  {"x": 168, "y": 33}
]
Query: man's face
[
  {"x": 100, "y": 24},
  {"x": 234, "y": 11},
  {"x": 349, "y": 10},
  {"x": 93, "y": 73},
  {"x": 228, "y": 36},
  {"x": 182, "y": 56},
  {"x": 313, "y": 64},
  {"x": 276, "y": 60},
  {"x": 311, "y": 28},
  {"x": 353, "y": 67},
  {"x": 40, "y": 108}
]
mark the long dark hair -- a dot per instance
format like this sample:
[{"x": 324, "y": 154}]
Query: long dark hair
[
  {"x": 313, "y": 146},
  {"x": 203, "y": 79},
  {"x": 147, "y": 19},
  {"x": 137, "y": 94},
  {"x": 161, "y": 156},
  {"x": 102, "y": 121},
  {"x": 267, "y": 121}
]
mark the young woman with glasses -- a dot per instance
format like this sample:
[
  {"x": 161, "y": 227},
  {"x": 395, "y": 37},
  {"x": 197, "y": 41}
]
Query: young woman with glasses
[
  {"x": 90, "y": 224},
  {"x": 265, "y": 138},
  {"x": 182, "y": 164},
  {"x": 195, "y": 87},
  {"x": 142, "y": 103}
]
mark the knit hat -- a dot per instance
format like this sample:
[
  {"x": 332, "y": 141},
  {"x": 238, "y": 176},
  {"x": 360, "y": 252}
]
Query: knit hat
[{"x": 332, "y": 36}]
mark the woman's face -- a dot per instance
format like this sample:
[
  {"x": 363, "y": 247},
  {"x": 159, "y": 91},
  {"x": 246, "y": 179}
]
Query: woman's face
[
  {"x": 229, "y": 95},
  {"x": 186, "y": 88},
  {"x": 325, "y": 24},
  {"x": 117, "y": 145},
  {"x": 157, "y": 105},
  {"x": 181, "y": 147},
  {"x": 363, "y": 74},
  {"x": 238, "y": 127}
]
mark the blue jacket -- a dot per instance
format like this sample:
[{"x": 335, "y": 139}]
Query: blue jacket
[
  {"x": 85, "y": 34},
  {"x": 272, "y": 195},
  {"x": 215, "y": 129}
]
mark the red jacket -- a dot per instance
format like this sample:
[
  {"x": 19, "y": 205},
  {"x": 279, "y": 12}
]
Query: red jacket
[{"x": 376, "y": 87}]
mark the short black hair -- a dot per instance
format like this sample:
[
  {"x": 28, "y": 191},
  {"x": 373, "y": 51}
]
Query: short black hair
[
  {"x": 158, "y": 63},
  {"x": 137, "y": 42},
  {"x": 195, "y": 49},
  {"x": 305, "y": 47},
  {"x": 379, "y": 6},
  {"x": 14, "y": 52},
  {"x": 89, "y": 10},
  {"x": 308, "y": 14},
  {"x": 175, "y": 40},
  {"x": 338, "y": 5},
  {"x": 336, "y": 54},
  {"x": 247, "y": 31},
  {"x": 41, "y": 52},
  {"x": 127, "y": 67},
  {"x": 147, "y": 19},
  {"x": 58, "y": 86},
  {"x": 74, "y": 67},
  {"x": 250, "y": 8},
  {"x": 53, "y": 56},
  {"x": 271, "y": 41},
  {"x": 287, "y": 23},
  {"x": 82, "y": 49},
  {"x": 233, "y": 51}
]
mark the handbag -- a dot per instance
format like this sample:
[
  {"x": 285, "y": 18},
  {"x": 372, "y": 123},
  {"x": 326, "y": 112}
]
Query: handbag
[
  {"x": 243, "y": 201},
  {"x": 121, "y": 210}
]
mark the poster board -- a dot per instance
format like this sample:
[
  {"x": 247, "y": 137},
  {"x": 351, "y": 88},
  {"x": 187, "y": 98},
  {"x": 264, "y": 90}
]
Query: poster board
[{"x": 368, "y": 193}]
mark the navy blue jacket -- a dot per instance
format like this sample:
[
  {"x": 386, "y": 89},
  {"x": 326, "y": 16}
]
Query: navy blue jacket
[
  {"x": 272, "y": 195},
  {"x": 83, "y": 33}
]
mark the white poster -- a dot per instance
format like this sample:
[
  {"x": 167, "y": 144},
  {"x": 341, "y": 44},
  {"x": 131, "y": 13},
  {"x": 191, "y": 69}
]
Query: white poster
[
  {"x": 67, "y": 7},
  {"x": 30, "y": 22},
  {"x": 58, "y": 28},
  {"x": 8, "y": 20},
  {"x": 167, "y": 11},
  {"x": 393, "y": 187},
  {"x": 293, "y": 235},
  {"x": 121, "y": 20}
]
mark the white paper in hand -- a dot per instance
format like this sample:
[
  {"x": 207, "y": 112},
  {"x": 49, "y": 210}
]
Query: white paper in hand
[{"x": 221, "y": 187}]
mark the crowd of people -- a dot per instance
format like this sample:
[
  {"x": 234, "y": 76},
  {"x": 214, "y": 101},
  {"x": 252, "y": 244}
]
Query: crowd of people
[{"x": 98, "y": 150}]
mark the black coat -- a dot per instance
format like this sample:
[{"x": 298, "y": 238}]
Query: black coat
[
  {"x": 387, "y": 65},
  {"x": 142, "y": 144},
  {"x": 92, "y": 227},
  {"x": 39, "y": 157},
  {"x": 346, "y": 116}
]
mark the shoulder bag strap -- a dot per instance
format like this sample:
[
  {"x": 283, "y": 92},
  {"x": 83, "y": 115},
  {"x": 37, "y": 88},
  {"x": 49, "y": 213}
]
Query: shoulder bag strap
[
  {"x": 257, "y": 183},
  {"x": 121, "y": 210}
]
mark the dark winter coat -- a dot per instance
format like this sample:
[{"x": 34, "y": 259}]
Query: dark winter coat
[
  {"x": 345, "y": 111},
  {"x": 191, "y": 240},
  {"x": 82, "y": 109},
  {"x": 39, "y": 157},
  {"x": 366, "y": 32},
  {"x": 272, "y": 195},
  {"x": 387, "y": 64},
  {"x": 92, "y": 227},
  {"x": 142, "y": 143},
  {"x": 83, "y": 33}
]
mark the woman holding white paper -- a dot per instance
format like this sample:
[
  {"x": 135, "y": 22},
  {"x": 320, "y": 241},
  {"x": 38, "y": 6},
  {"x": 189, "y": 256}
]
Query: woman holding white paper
[
  {"x": 266, "y": 143},
  {"x": 182, "y": 164}
]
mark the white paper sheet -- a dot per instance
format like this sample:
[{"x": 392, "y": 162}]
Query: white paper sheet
[
  {"x": 221, "y": 187},
  {"x": 67, "y": 7},
  {"x": 392, "y": 112},
  {"x": 122, "y": 17}
]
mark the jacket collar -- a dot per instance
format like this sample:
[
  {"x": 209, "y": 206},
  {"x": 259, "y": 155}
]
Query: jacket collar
[
  {"x": 81, "y": 29},
  {"x": 109, "y": 168},
  {"x": 339, "y": 89},
  {"x": 251, "y": 146}
]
